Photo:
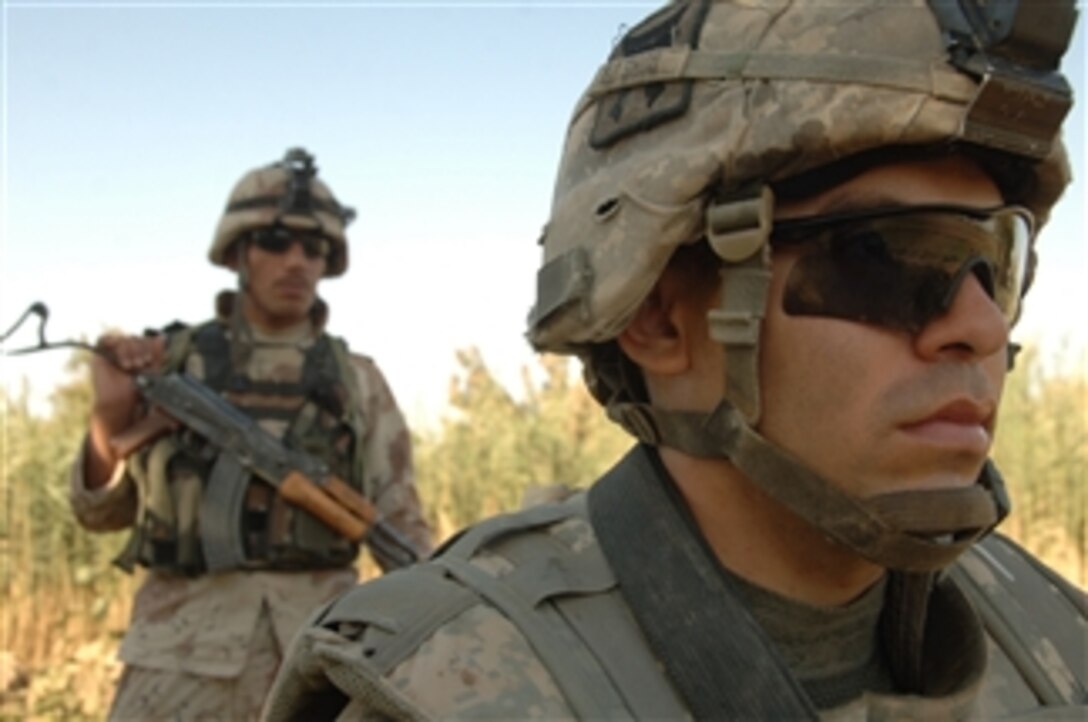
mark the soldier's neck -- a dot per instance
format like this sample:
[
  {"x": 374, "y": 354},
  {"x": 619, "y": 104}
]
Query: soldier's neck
[
  {"x": 269, "y": 327},
  {"x": 761, "y": 541}
]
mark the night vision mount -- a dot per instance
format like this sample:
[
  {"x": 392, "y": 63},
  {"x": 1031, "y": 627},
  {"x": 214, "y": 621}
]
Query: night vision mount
[
  {"x": 300, "y": 174},
  {"x": 298, "y": 197},
  {"x": 1014, "y": 48}
]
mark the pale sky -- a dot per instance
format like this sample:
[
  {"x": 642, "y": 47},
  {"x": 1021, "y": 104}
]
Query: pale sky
[{"x": 125, "y": 124}]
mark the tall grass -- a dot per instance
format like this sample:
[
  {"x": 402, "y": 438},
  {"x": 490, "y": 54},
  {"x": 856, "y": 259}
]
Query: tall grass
[{"x": 65, "y": 607}]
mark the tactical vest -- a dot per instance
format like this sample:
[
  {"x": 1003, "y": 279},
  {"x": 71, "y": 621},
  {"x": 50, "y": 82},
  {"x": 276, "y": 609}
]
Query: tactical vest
[
  {"x": 565, "y": 598},
  {"x": 321, "y": 413}
]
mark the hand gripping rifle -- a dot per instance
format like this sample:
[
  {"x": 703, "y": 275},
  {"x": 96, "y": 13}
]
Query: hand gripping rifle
[{"x": 179, "y": 401}]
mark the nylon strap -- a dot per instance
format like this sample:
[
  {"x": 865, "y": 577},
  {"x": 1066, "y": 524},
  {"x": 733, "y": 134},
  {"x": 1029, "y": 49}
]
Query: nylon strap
[
  {"x": 605, "y": 624},
  {"x": 856, "y": 522},
  {"x": 684, "y": 63},
  {"x": 318, "y": 371},
  {"x": 316, "y": 204},
  {"x": 178, "y": 344},
  {"x": 564, "y": 280},
  {"x": 736, "y": 323},
  {"x": 737, "y": 229},
  {"x": 680, "y": 598},
  {"x": 903, "y": 628},
  {"x": 548, "y": 575},
  {"x": 584, "y": 684},
  {"x": 1038, "y": 619},
  {"x": 353, "y": 415},
  {"x": 888, "y": 531}
]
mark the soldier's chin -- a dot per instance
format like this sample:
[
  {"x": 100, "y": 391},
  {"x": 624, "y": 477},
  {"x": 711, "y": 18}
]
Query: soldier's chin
[
  {"x": 293, "y": 310},
  {"x": 296, "y": 298}
]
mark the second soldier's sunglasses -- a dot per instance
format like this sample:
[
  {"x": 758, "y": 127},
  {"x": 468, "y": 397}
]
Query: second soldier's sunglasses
[
  {"x": 901, "y": 267},
  {"x": 278, "y": 239}
]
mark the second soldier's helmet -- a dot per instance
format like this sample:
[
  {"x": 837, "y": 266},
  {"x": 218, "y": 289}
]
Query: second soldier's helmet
[{"x": 288, "y": 193}]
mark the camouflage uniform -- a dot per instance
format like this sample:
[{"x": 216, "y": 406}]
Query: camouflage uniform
[
  {"x": 610, "y": 605},
  {"x": 215, "y": 641},
  {"x": 521, "y": 617}
]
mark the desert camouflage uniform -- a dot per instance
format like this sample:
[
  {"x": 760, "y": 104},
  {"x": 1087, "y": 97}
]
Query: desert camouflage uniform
[
  {"x": 214, "y": 641},
  {"x": 423, "y": 643}
]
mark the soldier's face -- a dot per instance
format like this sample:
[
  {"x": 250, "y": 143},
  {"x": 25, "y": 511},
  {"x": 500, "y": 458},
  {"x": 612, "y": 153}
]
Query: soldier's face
[
  {"x": 281, "y": 286},
  {"x": 874, "y": 409}
]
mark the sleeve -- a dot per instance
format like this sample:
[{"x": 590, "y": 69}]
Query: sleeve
[
  {"x": 108, "y": 508},
  {"x": 387, "y": 446}
]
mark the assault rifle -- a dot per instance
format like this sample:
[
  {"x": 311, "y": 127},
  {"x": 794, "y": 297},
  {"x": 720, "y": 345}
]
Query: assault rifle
[{"x": 179, "y": 401}]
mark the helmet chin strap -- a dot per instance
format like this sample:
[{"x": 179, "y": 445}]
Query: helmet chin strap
[
  {"x": 912, "y": 531},
  {"x": 914, "y": 534},
  {"x": 241, "y": 334}
]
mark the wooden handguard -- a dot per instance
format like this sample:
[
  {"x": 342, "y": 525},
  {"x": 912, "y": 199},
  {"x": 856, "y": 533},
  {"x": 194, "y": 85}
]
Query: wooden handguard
[
  {"x": 302, "y": 492},
  {"x": 359, "y": 505}
]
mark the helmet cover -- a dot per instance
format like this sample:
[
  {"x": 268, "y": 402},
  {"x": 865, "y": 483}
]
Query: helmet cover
[
  {"x": 288, "y": 193},
  {"x": 706, "y": 98}
]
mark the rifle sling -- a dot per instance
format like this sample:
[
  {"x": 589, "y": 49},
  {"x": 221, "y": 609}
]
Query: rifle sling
[{"x": 694, "y": 622}]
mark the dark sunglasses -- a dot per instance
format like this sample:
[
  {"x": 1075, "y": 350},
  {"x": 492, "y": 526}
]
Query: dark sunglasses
[
  {"x": 902, "y": 267},
  {"x": 278, "y": 239}
]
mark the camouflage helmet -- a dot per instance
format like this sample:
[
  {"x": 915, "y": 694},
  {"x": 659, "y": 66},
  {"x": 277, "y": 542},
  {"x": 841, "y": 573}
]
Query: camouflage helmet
[
  {"x": 705, "y": 99},
  {"x": 286, "y": 192},
  {"x": 705, "y": 111}
]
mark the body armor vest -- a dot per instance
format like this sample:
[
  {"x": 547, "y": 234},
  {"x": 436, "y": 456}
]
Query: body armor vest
[
  {"x": 584, "y": 623},
  {"x": 318, "y": 413}
]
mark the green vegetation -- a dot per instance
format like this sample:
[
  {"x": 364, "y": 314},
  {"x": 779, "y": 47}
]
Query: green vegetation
[
  {"x": 1042, "y": 451},
  {"x": 65, "y": 606},
  {"x": 492, "y": 447}
]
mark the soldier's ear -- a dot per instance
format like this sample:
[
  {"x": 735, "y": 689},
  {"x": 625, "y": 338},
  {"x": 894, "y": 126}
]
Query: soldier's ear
[{"x": 658, "y": 337}]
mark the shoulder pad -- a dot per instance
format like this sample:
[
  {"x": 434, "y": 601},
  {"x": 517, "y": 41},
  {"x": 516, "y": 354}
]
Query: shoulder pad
[
  {"x": 1038, "y": 618},
  {"x": 529, "y": 556},
  {"x": 512, "y": 560},
  {"x": 478, "y": 536},
  {"x": 396, "y": 612}
]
